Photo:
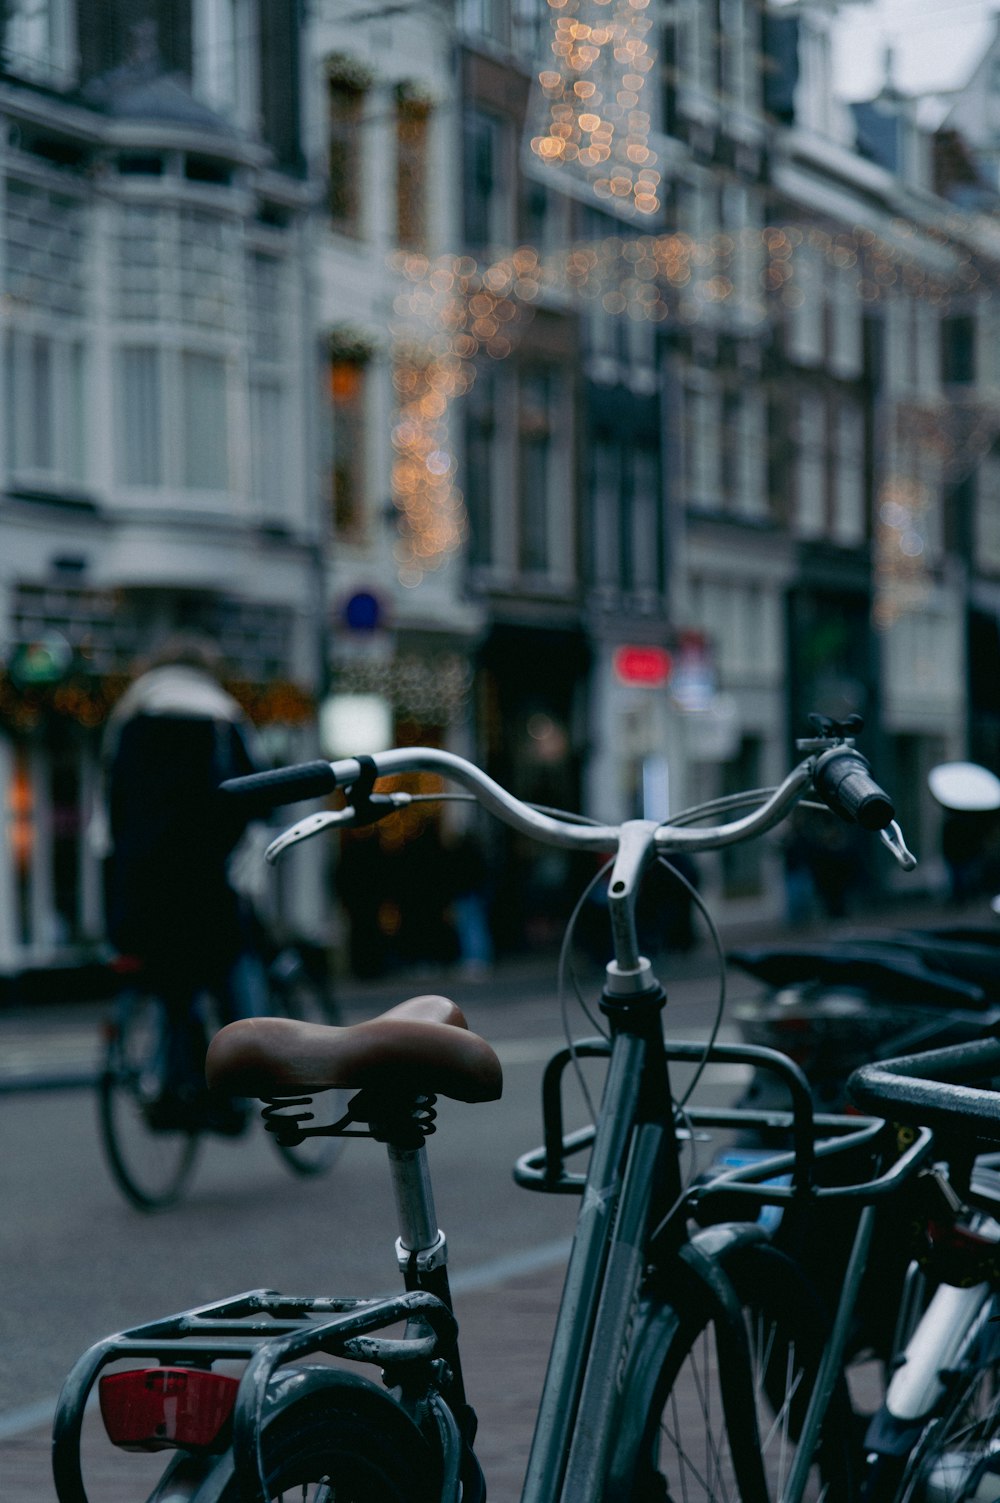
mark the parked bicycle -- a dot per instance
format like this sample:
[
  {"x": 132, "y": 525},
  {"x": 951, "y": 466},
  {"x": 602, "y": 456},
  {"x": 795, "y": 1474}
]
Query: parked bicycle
[
  {"x": 151, "y": 1133},
  {"x": 936, "y": 1437},
  {"x": 689, "y": 1362}
]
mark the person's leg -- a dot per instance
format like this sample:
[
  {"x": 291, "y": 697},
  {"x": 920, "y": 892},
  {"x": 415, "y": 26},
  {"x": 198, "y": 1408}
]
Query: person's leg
[{"x": 244, "y": 993}]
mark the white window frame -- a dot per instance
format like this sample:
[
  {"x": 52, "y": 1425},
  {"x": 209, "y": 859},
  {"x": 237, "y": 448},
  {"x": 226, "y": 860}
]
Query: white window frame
[
  {"x": 225, "y": 34},
  {"x": 65, "y": 377},
  {"x": 40, "y": 40},
  {"x": 172, "y": 436}
]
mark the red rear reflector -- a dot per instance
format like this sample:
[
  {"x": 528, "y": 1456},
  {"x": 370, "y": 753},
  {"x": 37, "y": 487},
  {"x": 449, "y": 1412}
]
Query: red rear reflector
[{"x": 153, "y": 1409}]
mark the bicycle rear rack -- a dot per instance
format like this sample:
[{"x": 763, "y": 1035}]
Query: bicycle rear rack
[{"x": 265, "y": 1329}]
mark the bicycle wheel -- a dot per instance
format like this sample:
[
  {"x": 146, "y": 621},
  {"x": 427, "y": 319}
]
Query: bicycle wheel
[
  {"x": 688, "y": 1452},
  {"x": 316, "y": 1451},
  {"x": 149, "y": 1156},
  {"x": 299, "y": 990},
  {"x": 957, "y": 1459}
]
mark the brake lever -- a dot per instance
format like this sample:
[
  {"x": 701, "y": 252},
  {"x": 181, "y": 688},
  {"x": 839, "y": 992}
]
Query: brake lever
[
  {"x": 892, "y": 839},
  {"x": 344, "y": 819}
]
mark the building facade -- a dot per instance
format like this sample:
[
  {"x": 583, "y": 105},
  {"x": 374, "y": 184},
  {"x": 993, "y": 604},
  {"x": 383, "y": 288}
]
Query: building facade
[{"x": 157, "y": 402}]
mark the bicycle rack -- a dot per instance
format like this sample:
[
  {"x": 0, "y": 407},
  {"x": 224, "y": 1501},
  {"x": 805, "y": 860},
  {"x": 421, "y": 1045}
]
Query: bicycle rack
[
  {"x": 544, "y": 1169},
  {"x": 265, "y": 1329}
]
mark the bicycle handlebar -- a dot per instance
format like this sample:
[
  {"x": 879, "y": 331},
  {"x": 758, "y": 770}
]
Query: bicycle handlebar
[
  {"x": 268, "y": 790},
  {"x": 842, "y": 780},
  {"x": 860, "y": 798},
  {"x": 283, "y": 785}
]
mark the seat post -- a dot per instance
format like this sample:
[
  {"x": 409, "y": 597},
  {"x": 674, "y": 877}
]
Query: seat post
[
  {"x": 422, "y": 1249},
  {"x": 421, "y": 1245}
]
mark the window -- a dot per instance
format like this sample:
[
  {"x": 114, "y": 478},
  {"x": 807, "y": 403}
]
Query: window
[
  {"x": 845, "y": 321},
  {"x": 45, "y": 237},
  {"x": 807, "y": 306},
  {"x": 203, "y": 384},
  {"x": 810, "y": 513},
  {"x": 38, "y": 40},
  {"x": 346, "y": 101},
  {"x": 535, "y": 432},
  {"x": 480, "y": 463},
  {"x": 412, "y": 138},
  {"x": 173, "y": 424},
  {"x": 625, "y": 512},
  {"x": 347, "y": 405},
  {"x": 644, "y": 514},
  {"x": 269, "y": 346},
  {"x": 223, "y": 57},
  {"x": 140, "y": 404},
  {"x": 532, "y": 29},
  {"x": 958, "y": 349},
  {"x": 488, "y": 19},
  {"x": 268, "y": 440},
  {"x": 488, "y": 176},
  {"x": 605, "y": 513},
  {"x": 701, "y": 447},
  {"x": 849, "y": 522},
  {"x": 670, "y": 72},
  {"x": 45, "y": 426}
]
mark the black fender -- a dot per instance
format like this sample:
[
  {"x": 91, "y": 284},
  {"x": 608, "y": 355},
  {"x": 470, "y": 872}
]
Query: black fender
[{"x": 204, "y": 1479}]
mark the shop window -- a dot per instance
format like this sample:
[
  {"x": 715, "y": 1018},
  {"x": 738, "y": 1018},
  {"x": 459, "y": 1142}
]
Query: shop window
[
  {"x": 22, "y": 836},
  {"x": 348, "y": 382},
  {"x": 345, "y": 103},
  {"x": 66, "y": 795},
  {"x": 413, "y": 116}
]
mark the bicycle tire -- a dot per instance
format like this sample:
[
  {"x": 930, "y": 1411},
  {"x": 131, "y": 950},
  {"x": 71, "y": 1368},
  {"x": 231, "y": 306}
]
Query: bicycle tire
[
  {"x": 150, "y": 1164},
  {"x": 308, "y": 999},
  {"x": 686, "y": 1450},
  {"x": 330, "y": 1450}
]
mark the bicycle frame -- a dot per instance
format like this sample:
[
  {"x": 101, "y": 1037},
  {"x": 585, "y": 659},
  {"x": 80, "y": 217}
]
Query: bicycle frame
[{"x": 610, "y": 1311}]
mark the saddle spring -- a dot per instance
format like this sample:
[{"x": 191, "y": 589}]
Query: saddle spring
[{"x": 383, "y": 1119}]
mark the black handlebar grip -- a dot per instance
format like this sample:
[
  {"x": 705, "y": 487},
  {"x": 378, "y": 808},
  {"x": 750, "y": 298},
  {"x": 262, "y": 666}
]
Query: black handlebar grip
[
  {"x": 843, "y": 781},
  {"x": 285, "y": 785}
]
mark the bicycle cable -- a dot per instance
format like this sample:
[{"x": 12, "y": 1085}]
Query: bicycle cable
[{"x": 716, "y": 939}]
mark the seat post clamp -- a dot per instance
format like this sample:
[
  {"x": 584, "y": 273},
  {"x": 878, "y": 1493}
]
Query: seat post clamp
[{"x": 426, "y": 1259}]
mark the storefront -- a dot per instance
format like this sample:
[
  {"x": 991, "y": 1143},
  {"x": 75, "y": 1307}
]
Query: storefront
[{"x": 71, "y": 652}]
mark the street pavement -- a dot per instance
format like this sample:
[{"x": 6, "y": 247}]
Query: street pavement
[{"x": 79, "y": 1263}]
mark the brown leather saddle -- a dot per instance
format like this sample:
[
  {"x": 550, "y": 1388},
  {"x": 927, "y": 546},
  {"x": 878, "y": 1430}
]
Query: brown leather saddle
[{"x": 421, "y": 1047}]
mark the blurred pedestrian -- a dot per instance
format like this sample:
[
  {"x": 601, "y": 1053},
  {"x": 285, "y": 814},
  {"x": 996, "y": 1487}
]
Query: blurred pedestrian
[
  {"x": 468, "y": 881},
  {"x": 174, "y": 736}
]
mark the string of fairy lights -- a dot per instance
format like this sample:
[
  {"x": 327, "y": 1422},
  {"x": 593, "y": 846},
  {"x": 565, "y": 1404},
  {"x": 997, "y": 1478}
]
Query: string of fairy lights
[
  {"x": 594, "y": 120},
  {"x": 451, "y": 312},
  {"x": 591, "y": 120}
]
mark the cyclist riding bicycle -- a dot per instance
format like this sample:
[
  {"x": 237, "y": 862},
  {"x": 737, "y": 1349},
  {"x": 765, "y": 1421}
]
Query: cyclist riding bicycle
[{"x": 171, "y": 907}]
